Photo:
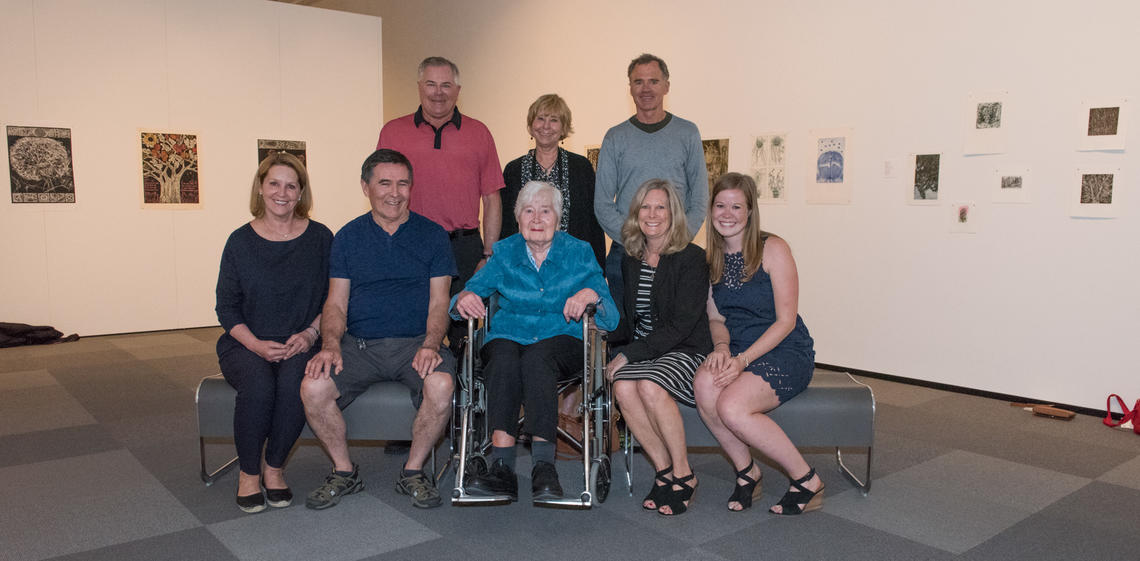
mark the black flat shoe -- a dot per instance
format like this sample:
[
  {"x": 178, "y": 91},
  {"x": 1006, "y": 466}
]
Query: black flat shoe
[
  {"x": 544, "y": 482},
  {"x": 746, "y": 493},
  {"x": 278, "y": 498},
  {"x": 811, "y": 500},
  {"x": 251, "y": 504},
  {"x": 500, "y": 479},
  {"x": 658, "y": 492}
]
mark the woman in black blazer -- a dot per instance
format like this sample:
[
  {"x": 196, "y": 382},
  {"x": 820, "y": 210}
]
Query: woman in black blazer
[{"x": 662, "y": 338}]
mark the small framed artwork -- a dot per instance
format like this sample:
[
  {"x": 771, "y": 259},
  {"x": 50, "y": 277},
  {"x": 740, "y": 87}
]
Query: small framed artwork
[
  {"x": 716, "y": 158},
  {"x": 987, "y": 122},
  {"x": 964, "y": 218},
  {"x": 926, "y": 179},
  {"x": 1011, "y": 184},
  {"x": 40, "y": 166},
  {"x": 294, "y": 147},
  {"x": 829, "y": 180},
  {"x": 1103, "y": 124},
  {"x": 769, "y": 167},
  {"x": 169, "y": 170},
  {"x": 1096, "y": 193},
  {"x": 592, "y": 151}
]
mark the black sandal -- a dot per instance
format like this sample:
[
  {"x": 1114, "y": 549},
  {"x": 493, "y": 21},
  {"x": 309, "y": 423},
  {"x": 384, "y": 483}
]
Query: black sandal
[
  {"x": 658, "y": 492},
  {"x": 812, "y": 500},
  {"x": 678, "y": 500},
  {"x": 744, "y": 494}
]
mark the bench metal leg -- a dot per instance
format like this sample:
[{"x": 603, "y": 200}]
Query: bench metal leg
[
  {"x": 865, "y": 485},
  {"x": 210, "y": 477}
]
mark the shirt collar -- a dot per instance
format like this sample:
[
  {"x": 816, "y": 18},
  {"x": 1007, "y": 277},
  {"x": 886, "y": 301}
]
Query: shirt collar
[{"x": 456, "y": 119}]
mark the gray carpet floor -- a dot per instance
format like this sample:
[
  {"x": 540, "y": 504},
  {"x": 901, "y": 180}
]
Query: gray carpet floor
[{"x": 99, "y": 461}]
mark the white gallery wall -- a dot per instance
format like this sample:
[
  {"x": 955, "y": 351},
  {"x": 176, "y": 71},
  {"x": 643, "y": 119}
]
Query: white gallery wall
[
  {"x": 229, "y": 71},
  {"x": 1035, "y": 303}
]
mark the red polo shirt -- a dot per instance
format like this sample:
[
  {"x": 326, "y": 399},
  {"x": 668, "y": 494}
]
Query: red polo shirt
[{"x": 452, "y": 167}]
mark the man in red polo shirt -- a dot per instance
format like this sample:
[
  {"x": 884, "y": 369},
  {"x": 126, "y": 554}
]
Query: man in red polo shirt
[{"x": 457, "y": 168}]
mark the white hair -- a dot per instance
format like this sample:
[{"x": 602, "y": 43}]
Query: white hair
[{"x": 534, "y": 188}]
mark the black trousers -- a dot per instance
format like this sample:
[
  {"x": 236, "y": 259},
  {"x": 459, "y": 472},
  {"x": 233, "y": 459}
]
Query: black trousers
[
  {"x": 268, "y": 409},
  {"x": 468, "y": 251},
  {"x": 528, "y": 375}
]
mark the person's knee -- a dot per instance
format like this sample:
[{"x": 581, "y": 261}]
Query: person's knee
[
  {"x": 316, "y": 392},
  {"x": 704, "y": 385},
  {"x": 649, "y": 391},
  {"x": 625, "y": 391},
  {"x": 731, "y": 410},
  {"x": 438, "y": 387}
]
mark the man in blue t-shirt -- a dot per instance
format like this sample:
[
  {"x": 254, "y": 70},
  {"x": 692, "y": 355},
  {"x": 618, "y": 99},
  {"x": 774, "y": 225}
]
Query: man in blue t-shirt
[{"x": 384, "y": 320}]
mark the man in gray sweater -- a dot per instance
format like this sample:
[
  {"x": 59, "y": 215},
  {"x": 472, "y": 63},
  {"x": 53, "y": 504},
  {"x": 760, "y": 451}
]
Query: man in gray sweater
[{"x": 650, "y": 145}]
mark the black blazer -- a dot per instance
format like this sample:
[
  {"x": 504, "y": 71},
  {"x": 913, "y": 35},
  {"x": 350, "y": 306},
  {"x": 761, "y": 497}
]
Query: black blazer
[{"x": 678, "y": 298}]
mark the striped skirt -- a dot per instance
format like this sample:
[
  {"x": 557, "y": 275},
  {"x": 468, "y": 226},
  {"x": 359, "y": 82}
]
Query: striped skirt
[{"x": 673, "y": 371}]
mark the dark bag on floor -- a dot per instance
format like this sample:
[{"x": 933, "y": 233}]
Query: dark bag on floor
[{"x": 18, "y": 334}]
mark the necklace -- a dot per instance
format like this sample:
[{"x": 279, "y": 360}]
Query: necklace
[{"x": 288, "y": 233}]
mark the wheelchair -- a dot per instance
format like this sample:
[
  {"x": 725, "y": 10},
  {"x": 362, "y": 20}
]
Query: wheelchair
[{"x": 471, "y": 437}]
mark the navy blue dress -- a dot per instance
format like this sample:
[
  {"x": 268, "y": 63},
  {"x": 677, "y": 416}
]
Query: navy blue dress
[{"x": 749, "y": 309}]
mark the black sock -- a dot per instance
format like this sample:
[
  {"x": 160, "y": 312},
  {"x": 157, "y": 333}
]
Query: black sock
[
  {"x": 405, "y": 472},
  {"x": 542, "y": 451},
  {"x": 505, "y": 453}
]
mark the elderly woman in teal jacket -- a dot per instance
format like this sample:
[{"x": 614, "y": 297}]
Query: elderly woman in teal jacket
[{"x": 545, "y": 280}]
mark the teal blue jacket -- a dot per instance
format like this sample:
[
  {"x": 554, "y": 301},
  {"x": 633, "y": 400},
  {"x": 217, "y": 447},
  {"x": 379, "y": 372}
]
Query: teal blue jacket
[{"x": 530, "y": 300}]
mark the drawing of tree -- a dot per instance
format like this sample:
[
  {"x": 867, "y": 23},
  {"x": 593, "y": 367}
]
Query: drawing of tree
[
  {"x": 1096, "y": 188},
  {"x": 166, "y": 159},
  {"x": 42, "y": 160}
]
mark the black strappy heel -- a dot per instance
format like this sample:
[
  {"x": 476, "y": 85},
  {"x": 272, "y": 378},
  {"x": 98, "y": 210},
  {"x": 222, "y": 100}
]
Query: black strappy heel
[
  {"x": 812, "y": 500},
  {"x": 658, "y": 492},
  {"x": 746, "y": 493},
  {"x": 678, "y": 500}
]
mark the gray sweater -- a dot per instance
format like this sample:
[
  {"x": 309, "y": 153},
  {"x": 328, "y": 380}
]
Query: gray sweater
[{"x": 630, "y": 157}]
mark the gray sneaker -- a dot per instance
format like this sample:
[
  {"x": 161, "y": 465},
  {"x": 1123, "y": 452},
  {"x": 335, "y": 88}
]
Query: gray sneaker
[
  {"x": 335, "y": 487},
  {"x": 420, "y": 489}
]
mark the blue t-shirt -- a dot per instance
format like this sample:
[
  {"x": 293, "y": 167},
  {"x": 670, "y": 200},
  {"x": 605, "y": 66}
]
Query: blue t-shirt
[{"x": 390, "y": 275}]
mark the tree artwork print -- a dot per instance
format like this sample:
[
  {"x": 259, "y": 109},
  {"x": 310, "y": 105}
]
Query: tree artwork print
[{"x": 170, "y": 168}]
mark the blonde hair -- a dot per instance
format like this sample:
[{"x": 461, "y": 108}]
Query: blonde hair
[
  {"x": 551, "y": 104},
  {"x": 304, "y": 204},
  {"x": 753, "y": 236},
  {"x": 678, "y": 236}
]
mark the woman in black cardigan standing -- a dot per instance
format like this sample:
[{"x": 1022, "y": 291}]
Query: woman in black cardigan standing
[
  {"x": 662, "y": 338},
  {"x": 548, "y": 122}
]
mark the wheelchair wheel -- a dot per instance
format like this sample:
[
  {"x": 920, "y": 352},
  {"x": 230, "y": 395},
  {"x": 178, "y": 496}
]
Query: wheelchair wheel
[{"x": 600, "y": 479}]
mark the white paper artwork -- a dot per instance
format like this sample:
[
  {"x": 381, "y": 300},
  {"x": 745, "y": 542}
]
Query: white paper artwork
[
  {"x": 769, "y": 167},
  {"x": 987, "y": 119},
  {"x": 1096, "y": 193},
  {"x": 829, "y": 181},
  {"x": 964, "y": 218},
  {"x": 1103, "y": 124},
  {"x": 925, "y": 178},
  {"x": 1011, "y": 184}
]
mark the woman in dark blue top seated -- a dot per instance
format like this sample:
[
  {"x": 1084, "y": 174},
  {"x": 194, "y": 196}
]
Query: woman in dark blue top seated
[
  {"x": 762, "y": 356},
  {"x": 545, "y": 279},
  {"x": 271, "y": 286}
]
